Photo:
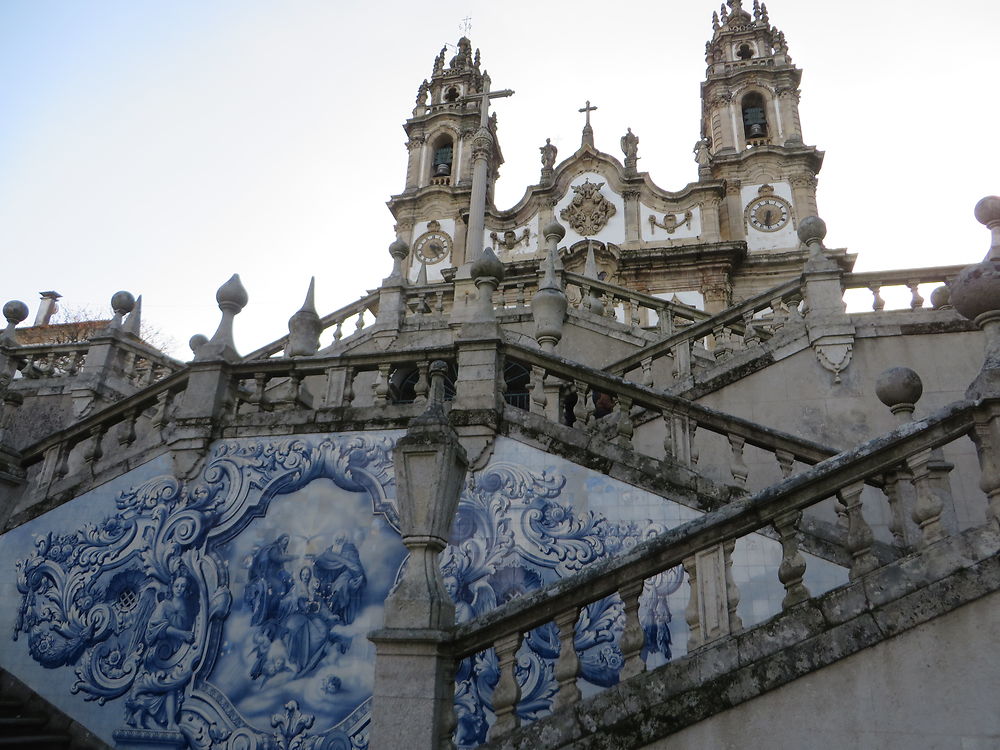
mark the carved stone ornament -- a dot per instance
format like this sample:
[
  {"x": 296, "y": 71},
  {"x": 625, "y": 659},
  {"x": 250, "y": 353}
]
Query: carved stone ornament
[
  {"x": 671, "y": 222},
  {"x": 510, "y": 239},
  {"x": 589, "y": 211}
]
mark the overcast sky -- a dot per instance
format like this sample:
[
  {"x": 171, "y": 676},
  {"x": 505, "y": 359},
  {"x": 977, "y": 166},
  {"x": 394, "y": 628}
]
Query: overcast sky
[{"x": 160, "y": 146}]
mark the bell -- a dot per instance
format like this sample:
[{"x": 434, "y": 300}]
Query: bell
[
  {"x": 442, "y": 170},
  {"x": 756, "y": 130}
]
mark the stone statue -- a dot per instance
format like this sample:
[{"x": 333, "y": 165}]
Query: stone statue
[
  {"x": 630, "y": 145},
  {"x": 548, "y": 154},
  {"x": 701, "y": 154}
]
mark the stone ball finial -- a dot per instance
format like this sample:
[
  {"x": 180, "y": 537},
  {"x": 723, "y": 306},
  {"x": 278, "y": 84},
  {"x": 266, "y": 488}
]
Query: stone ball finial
[
  {"x": 898, "y": 385},
  {"x": 15, "y": 311},
  {"x": 812, "y": 228},
  {"x": 988, "y": 210},
  {"x": 399, "y": 249},
  {"x": 122, "y": 302},
  {"x": 976, "y": 289},
  {"x": 940, "y": 297},
  {"x": 487, "y": 265},
  {"x": 232, "y": 293},
  {"x": 197, "y": 341},
  {"x": 554, "y": 228}
]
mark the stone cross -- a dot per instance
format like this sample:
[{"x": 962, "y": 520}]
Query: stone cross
[
  {"x": 588, "y": 132},
  {"x": 484, "y": 97}
]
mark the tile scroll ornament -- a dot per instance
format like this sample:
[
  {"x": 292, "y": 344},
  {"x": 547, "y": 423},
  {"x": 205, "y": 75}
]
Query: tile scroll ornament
[
  {"x": 589, "y": 211},
  {"x": 513, "y": 535},
  {"x": 135, "y": 604}
]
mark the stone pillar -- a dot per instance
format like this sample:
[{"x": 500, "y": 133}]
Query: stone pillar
[
  {"x": 831, "y": 333},
  {"x": 632, "y": 229},
  {"x": 413, "y": 668},
  {"x": 482, "y": 146}
]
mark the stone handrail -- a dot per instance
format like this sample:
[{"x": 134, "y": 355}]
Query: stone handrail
[
  {"x": 682, "y": 416},
  {"x": 908, "y": 277},
  {"x": 140, "y": 364},
  {"x": 632, "y": 304},
  {"x": 335, "y": 320},
  {"x": 782, "y": 301},
  {"x": 703, "y": 547}
]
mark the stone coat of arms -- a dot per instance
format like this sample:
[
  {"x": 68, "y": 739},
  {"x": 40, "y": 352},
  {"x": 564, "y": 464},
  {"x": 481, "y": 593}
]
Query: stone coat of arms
[{"x": 589, "y": 211}]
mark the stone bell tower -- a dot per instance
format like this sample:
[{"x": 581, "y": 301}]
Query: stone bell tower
[
  {"x": 751, "y": 136},
  {"x": 432, "y": 212}
]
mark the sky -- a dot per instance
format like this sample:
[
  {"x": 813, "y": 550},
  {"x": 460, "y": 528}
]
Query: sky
[{"x": 161, "y": 146}]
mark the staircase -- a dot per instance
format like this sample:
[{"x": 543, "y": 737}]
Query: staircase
[{"x": 30, "y": 722}]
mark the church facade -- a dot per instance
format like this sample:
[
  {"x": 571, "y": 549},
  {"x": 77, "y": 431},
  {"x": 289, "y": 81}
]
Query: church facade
[{"x": 614, "y": 467}]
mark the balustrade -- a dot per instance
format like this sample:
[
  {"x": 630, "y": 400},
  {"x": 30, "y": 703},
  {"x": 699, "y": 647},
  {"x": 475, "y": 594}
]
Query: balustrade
[{"x": 704, "y": 548}]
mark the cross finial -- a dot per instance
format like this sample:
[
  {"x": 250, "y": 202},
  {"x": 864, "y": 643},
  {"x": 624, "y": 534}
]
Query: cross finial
[
  {"x": 588, "y": 132},
  {"x": 465, "y": 26}
]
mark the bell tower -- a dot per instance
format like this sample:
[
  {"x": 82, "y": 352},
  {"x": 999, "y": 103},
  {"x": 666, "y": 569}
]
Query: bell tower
[
  {"x": 432, "y": 213},
  {"x": 751, "y": 133}
]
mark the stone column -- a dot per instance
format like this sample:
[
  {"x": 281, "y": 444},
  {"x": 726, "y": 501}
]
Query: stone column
[{"x": 414, "y": 671}]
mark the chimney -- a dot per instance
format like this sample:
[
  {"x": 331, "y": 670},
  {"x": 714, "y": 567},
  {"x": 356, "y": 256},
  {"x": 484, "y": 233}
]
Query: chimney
[{"x": 47, "y": 308}]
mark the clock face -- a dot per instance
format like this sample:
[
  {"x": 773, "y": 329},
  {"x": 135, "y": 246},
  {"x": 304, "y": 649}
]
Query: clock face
[
  {"x": 432, "y": 247},
  {"x": 768, "y": 214}
]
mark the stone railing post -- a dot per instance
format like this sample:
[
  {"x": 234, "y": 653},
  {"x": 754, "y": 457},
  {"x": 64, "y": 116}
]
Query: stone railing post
[
  {"x": 414, "y": 670},
  {"x": 105, "y": 359},
  {"x": 831, "y": 333},
  {"x": 210, "y": 388}
]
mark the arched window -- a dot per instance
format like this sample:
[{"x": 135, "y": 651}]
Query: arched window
[
  {"x": 443, "y": 155},
  {"x": 452, "y": 94},
  {"x": 745, "y": 52},
  {"x": 754, "y": 117}
]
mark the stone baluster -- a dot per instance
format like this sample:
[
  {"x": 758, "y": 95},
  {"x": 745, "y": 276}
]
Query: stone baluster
[
  {"x": 634, "y": 317},
  {"x": 62, "y": 462},
  {"x": 859, "y": 533},
  {"x": 779, "y": 314},
  {"x": 360, "y": 323},
  {"x": 126, "y": 431},
  {"x": 260, "y": 390},
  {"x": 786, "y": 462},
  {"x": 893, "y": 488},
  {"x": 928, "y": 506},
  {"x": 567, "y": 666},
  {"x": 793, "y": 565},
  {"x": 338, "y": 332},
  {"x": 665, "y": 321},
  {"x": 878, "y": 303},
  {"x": 647, "y": 372},
  {"x": 161, "y": 413},
  {"x": 916, "y": 301},
  {"x": 732, "y": 590},
  {"x": 737, "y": 466},
  {"x": 682, "y": 359},
  {"x": 348, "y": 396},
  {"x": 583, "y": 408},
  {"x": 691, "y": 612},
  {"x": 750, "y": 335},
  {"x": 520, "y": 299},
  {"x": 92, "y": 449},
  {"x": 693, "y": 446},
  {"x": 380, "y": 388},
  {"x": 633, "y": 636},
  {"x": 422, "y": 386},
  {"x": 538, "y": 400},
  {"x": 624, "y": 428},
  {"x": 507, "y": 692}
]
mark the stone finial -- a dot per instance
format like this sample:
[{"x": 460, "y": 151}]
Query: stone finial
[
  {"x": 304, "y": 327},
  {"x": 232, "y": 298},
  {"x": 196, "y": 342},
  {"x": 593, "y": 302},
  {"x": 398, "y": 249},
  {"x": 15, "y": 312},
  {"x": 899, "y": 388},
  {"x": 975, "y": 293},
  {"x": 122, "y": 303},
  {"x": 941, "y": 298},
  {"x": 133, "y": 323},
  {"x": 812, "y": 231}
]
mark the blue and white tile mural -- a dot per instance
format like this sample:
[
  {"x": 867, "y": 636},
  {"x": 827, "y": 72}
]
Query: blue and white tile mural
[{"x": 234, "y": 609}]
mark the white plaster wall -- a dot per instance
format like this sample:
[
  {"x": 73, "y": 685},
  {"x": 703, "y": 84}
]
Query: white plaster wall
[
  {"x": 650, "y": 233},
  {"x": 433, "y": 271},
  {"x": 523, "y": 250},
  {"x": 784, "y": 238},
  {"x": 935, "y": 687},
  {"x": 614, "y": 231}
]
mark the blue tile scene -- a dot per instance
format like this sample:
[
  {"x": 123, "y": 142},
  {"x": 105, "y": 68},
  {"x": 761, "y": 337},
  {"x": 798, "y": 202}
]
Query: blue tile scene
[{"x": 234, "y": 609}]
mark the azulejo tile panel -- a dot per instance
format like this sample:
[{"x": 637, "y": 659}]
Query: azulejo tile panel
[{"x": 232, "y": 612}]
